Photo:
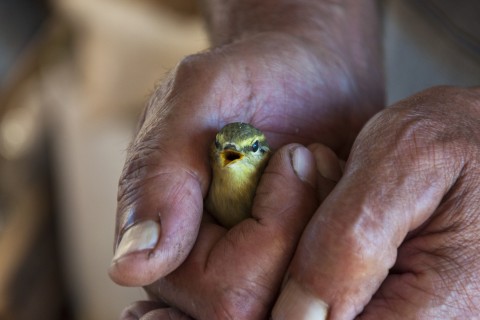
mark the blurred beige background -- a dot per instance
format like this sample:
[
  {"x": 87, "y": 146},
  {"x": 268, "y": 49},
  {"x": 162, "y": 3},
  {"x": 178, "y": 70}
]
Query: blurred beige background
[
  {"x": 82, "y": 82},
  {"x": 122, "y": 48}
]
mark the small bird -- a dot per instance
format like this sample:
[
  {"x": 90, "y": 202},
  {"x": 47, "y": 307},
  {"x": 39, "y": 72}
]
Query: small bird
[{"x": 238, "y": 157}]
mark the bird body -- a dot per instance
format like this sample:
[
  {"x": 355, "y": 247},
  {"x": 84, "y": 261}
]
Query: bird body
[{"x": 238, "y": 157}]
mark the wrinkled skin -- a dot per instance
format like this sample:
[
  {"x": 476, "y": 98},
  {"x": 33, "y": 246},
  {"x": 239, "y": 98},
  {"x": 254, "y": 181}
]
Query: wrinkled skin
[
  {"x": 167, "y": 174},
  {"x": 240, "y": 270},
  {"x": 398, "y": 236}
]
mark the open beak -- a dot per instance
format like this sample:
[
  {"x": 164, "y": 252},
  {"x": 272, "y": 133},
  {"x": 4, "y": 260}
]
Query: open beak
[{"x": 229, "y": 156}]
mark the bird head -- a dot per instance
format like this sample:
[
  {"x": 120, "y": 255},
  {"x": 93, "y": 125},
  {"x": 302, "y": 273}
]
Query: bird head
[{"x": 240, "y": 143}]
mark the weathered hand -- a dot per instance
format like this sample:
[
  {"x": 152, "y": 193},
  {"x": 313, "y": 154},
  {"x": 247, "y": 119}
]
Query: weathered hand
[
  {"x": 289, "y": 89},
  {"x": 398, "y": 237},
  {"x": 236, "y": 274}
]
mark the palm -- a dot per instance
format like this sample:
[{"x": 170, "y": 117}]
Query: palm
[{"x": 286, "y": 93}]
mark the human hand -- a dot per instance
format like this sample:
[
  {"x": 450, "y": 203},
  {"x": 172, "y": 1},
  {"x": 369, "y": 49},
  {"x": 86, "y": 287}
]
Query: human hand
[
  {"x": 398, "y": 237},
  {"x": 236, "y": 273},
  {"x": 292, "y": 89}
]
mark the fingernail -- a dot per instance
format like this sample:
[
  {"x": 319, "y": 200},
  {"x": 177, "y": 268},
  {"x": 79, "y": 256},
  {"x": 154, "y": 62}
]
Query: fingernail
[
  {"x": 295, "y": 303},
  {"x": 128, "y": 316},
  {"x": 302, "y": 163},
  {"x": 141, "y": 236}
]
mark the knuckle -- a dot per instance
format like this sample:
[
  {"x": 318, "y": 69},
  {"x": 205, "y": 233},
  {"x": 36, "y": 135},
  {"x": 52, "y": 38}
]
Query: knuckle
[
  {"x": 360, "y": 242},
  {"x": 189, "y": 72},
  {"x": 435, "y": 127},
  {"x": 194, "y": 68},
  {"x": 239, "y": 303}
]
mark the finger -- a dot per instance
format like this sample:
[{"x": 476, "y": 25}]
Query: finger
[
  {"x": 389, "y": 188},
  {"x": 329, "y": 169},
  {"x": 151, "y": 310},
  {"x": 137, "y": 309},
  {"x": 165, "y": 314},
  {"x": 161, "y": 193},
  {"x": 238, "y": 273},
  {"x": 292, "y": 163}
]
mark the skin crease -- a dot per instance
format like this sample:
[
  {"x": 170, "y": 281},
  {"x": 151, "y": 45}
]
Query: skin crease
[
  {"x": 312, "y": 97},
  {"x": 423, "y": 225},
  {"x": 241, "y": 270},
  {"x": 406, "y": 208},
  {"x": 428, "y": 212}
]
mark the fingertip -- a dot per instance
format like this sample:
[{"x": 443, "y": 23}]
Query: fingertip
[
  {"x": 295, "y": 302},
  {"x": 147, "y": 252},
  {"x": 143, "y": 235},
  {"x": 290, "y": 161},
  {"x": 327, "y": 162},
  {"x": 130, "y": 271},
  {"x": 157, "y": 236},
  {"x": 151, "y": 310},
  {"x": 287, "y": 188},
  {"x": 165, "y": 314},
  {"x": 136, "y": 310},
  {"x": 135, "y": 245},
  {"x": 303, "y": 164}
]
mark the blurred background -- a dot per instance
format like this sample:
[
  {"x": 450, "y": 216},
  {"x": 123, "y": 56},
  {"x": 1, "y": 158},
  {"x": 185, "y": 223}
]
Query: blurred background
[{"x": 74, "y": 75}]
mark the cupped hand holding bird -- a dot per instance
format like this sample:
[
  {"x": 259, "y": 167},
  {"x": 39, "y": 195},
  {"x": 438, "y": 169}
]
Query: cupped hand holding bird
[
  {"x": 167, "y": 172},
  {"x": 237, "y": 273},
  {"x": 395, "y": 238}
]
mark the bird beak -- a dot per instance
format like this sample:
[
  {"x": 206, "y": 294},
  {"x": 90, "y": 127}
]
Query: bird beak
[{"x": 229, "y": 156}]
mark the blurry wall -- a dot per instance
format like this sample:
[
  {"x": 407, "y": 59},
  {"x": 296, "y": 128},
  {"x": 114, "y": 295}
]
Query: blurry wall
[
  {"x": 424, "y": 49},
  {"x": 120, "y": 50},
  {"x": 98, "y": 63}
]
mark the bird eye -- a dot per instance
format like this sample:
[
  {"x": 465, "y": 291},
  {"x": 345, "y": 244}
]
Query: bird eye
[
  {"x": 217, "y": 144},
  {"x": 255, "y": 146}
]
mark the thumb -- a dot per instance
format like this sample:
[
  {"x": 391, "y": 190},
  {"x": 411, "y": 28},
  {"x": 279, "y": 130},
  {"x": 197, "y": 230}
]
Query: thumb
[
  {"x": 158, "y": 218},
  {"x": 160, "y": 199}
]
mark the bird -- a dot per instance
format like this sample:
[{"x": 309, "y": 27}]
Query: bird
[{"x": 238, "y": 157}]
